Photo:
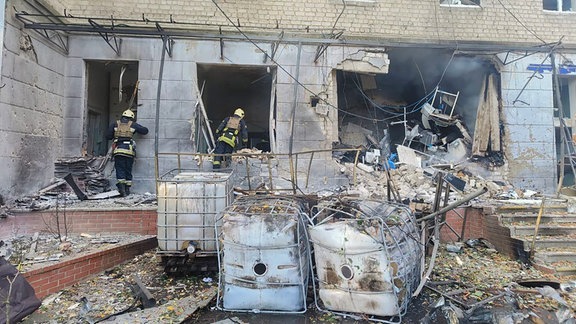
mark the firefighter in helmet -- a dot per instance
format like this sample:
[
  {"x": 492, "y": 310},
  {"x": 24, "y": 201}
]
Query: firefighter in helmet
[
  {"x": 124, "y": 148},
  {"x": 231, "y": 133}
]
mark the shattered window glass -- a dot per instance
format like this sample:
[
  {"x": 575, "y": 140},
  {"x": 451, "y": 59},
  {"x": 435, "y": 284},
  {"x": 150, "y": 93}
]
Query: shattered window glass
[{"x": 461, "y": 2}]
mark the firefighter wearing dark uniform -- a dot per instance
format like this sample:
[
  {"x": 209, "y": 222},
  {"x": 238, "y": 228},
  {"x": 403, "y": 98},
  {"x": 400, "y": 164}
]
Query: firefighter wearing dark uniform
[
  {"x": 124, "y": 148},
  {"x": 228, "y": 131}
]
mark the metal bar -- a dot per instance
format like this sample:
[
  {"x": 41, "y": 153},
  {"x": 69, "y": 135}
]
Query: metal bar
[
  {"x": 465, "y": 219},
  {"x": 103, "y": 32},
  {"x": 537, "y": 227},
  {"x": 309, "y": 167},
  {"x": 455, "y": 204},
  {"x": 157, "y": 117},
  {"x": 143, "y": 31}
]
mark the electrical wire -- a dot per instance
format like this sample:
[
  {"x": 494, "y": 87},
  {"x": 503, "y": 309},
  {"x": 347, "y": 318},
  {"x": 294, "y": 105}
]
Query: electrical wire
[
  {"x": 520, "y": 22},
  {"x": 284, "y": 69}
]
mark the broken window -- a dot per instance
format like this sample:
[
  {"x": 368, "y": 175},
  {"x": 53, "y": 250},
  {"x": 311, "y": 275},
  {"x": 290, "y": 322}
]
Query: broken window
[
  {"x": 461, "y": 2},
  {"x": 559, "y": 5}
]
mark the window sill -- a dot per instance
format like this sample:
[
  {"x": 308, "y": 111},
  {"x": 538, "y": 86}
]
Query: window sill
[{"x": 558, "y": 12}]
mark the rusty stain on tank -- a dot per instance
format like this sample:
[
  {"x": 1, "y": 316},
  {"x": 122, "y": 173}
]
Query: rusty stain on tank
[
  {"x": 373, "y": 282},
  {"x": 331, "y": 276}
]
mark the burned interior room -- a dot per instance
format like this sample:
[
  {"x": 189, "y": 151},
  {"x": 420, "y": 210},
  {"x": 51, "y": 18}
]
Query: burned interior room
[{"x": 428, "y": 101}]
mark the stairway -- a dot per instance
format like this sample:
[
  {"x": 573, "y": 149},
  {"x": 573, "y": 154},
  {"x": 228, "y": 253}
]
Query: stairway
[{"x": 555, "y": 243}]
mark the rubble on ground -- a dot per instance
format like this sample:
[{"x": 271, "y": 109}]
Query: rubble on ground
[
  {"x": 40, "y": 249},
  {"x": 476, "y": 282}
]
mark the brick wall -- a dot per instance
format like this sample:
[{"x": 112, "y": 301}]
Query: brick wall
[
  {"x": 50, "y": 279},
  {"x": 138, "y": 221},
  {"x": 425, "y": 21}
]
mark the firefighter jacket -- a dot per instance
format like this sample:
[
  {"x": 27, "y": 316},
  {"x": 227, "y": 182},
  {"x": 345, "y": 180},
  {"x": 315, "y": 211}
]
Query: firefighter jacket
[
  {"x": 229, "y": 130},
  {"x": 122, "y": 132}
]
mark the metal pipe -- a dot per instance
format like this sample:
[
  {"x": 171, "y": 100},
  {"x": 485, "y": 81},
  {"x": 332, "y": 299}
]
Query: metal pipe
[
  {"x": 158, "y": 92},
  {"x": 134, "y": 31},
  {"x": 455, "y": 204},
  {"x": 293, "y": 116}
]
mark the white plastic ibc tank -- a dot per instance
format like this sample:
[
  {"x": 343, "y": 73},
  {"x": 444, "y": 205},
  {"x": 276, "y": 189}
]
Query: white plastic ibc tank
[
  {"x": 264, "y": 258},
  {"x": 188, "y": 205},
  {"x": 367, "y": 262}
]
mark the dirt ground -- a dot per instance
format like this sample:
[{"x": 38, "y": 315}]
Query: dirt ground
[{"x": 474, "y": 285}]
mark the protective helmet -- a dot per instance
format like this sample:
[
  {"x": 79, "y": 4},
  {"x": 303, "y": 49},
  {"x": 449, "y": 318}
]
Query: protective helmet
[
  {"x": 239, "y": 112},
  {"x": 128, "y": 113}
]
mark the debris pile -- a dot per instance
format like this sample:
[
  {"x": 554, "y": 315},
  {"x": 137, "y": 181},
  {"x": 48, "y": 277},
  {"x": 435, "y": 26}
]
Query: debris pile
[
  {"x": 45, "y": 248},
  {"x": 476, "y": 284},
  {"x": 88, "y": 171}
]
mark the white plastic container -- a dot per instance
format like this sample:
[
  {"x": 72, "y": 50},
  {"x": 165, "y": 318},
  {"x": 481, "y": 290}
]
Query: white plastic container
[
  {"x": 188, "y": 205},
  {"x": 367, "y": 262},
  {"x": 264, "y": 256}
]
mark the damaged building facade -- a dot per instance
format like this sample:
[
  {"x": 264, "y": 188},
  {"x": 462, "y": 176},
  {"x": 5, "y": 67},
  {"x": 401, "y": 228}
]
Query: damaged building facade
[{"x": 434, "y": 82}]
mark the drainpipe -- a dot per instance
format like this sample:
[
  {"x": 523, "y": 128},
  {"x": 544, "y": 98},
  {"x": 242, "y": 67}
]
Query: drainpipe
[
  {"x": 293, "y": 175},
  {"x": 158, "y": 91}
]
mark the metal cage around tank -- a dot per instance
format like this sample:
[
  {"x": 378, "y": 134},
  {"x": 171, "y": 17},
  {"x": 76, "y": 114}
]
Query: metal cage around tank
[
  {"x": 188, "y": 205},
  {"x": 367, "y": 256},
  {"x": 263, "y": 256}
]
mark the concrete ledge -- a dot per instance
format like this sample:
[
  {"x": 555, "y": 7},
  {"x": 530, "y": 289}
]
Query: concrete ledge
[{"x": 52, "y": 278}]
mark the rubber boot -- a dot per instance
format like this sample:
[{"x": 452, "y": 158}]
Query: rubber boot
[
  {"x": 121, "y": 189},
  {"x": 127, "y": 189}
]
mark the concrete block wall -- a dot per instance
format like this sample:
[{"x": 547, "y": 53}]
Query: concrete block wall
[
  {"x": 31, "y": 105},
  {"x": 528, "y": 119},
  {"x": 179, "y": 96},
  {"x": 420, "y": 21}
]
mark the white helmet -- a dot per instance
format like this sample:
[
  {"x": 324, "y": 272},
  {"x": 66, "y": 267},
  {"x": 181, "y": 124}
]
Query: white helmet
[
  {"x": 128, "y": 113},
  {"x": 239, "y": 112}
]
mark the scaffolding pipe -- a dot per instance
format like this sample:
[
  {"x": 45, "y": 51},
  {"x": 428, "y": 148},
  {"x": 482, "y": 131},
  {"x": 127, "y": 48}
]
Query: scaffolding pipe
[{"x": 455, "y": 204}]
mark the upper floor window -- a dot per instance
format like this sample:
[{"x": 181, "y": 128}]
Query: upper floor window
[
  {"x": 559, "y": 5},
  {"x": 463, "y": 2}
]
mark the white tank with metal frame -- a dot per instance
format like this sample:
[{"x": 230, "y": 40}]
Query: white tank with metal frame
[
  {"x": 264, "y": 260},
  {"x": 188, "y": 204},
  {"x": 367, "y": 256}
]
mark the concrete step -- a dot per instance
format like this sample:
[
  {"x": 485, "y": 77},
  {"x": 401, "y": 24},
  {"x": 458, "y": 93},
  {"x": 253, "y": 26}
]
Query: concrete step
[
  {"x": 561, "y": 268},
  {"x": 511, "y": 209},
  {"x": 562, "y": 229},
  {"x": 550, "y": 257},
  {"x": 528, "y": 219},
  {"x": 548, "y": 242}
]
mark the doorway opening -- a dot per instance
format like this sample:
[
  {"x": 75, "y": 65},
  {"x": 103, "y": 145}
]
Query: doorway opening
[
  {"x": 111, "y": 89},
  {"x": 224, "y": 88}
]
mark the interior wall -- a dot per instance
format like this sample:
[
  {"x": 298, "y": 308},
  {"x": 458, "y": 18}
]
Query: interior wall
[{"x": 31, "y": 96}]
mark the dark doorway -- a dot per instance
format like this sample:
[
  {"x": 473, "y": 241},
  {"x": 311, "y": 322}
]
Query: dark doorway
[
  {"x": 111, "y": 90},
  {"x": 227, "y": 87}
]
